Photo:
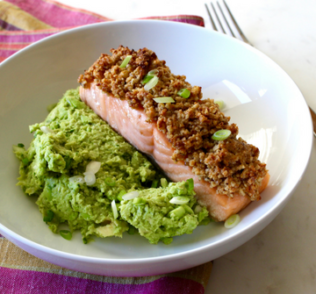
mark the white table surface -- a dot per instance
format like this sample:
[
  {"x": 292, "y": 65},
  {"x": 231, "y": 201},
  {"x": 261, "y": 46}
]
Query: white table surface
[{"x": 282, "y": 258}]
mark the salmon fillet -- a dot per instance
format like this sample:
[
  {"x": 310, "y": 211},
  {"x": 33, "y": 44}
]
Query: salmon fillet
[{"x": 133, "y": 126}]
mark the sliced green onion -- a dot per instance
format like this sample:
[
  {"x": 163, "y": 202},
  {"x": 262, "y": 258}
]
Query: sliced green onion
[
  {"x": 114, "y": 209},
  {"x": 130, "y": 195},
  {"x": 180, "y": 200},
  {"x": 65, "y": 234},
  {"x": 149, "y": 76},
  {"x": 119, "y": 196},
  {"x": 110, "y": 182},
  {"x": 125, "y": 61},
  {"x": 164, "y": 100},
  {"x": 146, "y": 79},
  {"x": 76, "y": 179},
  {"x": 89, "y": 178},
  {"x": 185, "y": 93},
  {"x": 152, "y": 83},
  {"x": 20, "y": 145},
  {"x": 93, "y": 167},
  {"x": 154, "y": 184},
  {"x": 166, "y": 240},
  {"x": 48, "y": 217},
  {"x": 163, "y": 182},
  {"x": 221, "y": 135},
  {"x": 46, "y": 130},
  {"x": 190, "y": 185},
  {"x": 139, "y": 201},
  {"x": 232, "y": 221},
  {"x": 177, "y": 213},
  {"x": 188, "y": 209},
  {"x": 220, "y": 104},
  {"x": 153, "y": 72}
]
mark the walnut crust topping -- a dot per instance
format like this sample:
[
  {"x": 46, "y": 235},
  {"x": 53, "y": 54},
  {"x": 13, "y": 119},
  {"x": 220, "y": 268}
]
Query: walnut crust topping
[{"x": 232, "y": 165}]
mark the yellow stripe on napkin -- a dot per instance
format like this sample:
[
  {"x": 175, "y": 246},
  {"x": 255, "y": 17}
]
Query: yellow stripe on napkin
[{"x": 19, "y": 18}]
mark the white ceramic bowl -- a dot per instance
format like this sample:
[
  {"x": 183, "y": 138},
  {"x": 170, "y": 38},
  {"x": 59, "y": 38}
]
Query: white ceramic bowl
[{"x": 260, "y": 98}]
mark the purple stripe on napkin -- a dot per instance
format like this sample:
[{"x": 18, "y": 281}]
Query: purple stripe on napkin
[{"x": 19, "y": 281}]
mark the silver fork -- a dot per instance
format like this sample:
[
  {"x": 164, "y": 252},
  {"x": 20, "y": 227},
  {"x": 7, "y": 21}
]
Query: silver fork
[{"x": 223, "y": 21}]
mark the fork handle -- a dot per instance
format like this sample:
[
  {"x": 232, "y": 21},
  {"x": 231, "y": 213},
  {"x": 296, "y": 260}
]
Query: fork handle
[{"x": 313, "y": 114}]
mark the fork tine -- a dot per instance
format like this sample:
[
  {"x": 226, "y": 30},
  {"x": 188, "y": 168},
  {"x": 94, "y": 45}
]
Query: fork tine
[
  {"x": 236, "y": 24},
  {"x": 224, "y": 17},
  {"x": 211, "y": 18},
  {"x": 218, "y": 19}
]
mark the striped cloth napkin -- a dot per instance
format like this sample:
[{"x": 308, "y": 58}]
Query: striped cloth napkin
[{"x": 23, "y": 22}]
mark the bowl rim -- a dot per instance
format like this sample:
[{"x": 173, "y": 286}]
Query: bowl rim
[{"x": 160, "y": 259}]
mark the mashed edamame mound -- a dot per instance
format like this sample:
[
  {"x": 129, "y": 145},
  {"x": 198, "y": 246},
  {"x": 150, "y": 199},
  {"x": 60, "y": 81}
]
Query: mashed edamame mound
[
  {"x": 158, "y": 219},
  {"x": 54, "y": 170}
]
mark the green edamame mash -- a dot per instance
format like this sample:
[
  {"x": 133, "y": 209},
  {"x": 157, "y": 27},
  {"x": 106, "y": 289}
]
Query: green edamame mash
[{"x": 53, "y": 168}]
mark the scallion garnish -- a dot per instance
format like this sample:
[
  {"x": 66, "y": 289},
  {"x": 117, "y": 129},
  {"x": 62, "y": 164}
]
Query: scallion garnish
[
  {"x": 177, "y": 213},
  {"x": 184, "y": 93},
  {"x": 149, "y": 76},
  {"x": 126, "y": 61},
  {"x": 130, "y": 195},
  {"x": 20, "y": 145},
  {"x": 89, "y": 178},
  {"x": 93, "y": 167},
  {"x": 153, "y": 72},
  {"x": 114, "y": 209},
  {"x": 232, "y": 221},
  {"x": 65, "y": 234},
  {"x": 188, "y": 208},
  {"x": 220, "y": 104},
  {"x": 221, "y": 135},
  {"x": 146, "y": 79},
  {"x": 46, "y": 130},
  {"x": 164, "y": 100},
  {"x": 152, "y": 83},
  {"x": 139, "y": 201},
  {"x": 120, "y": 195},
  {"x": 180, "y": 200}
]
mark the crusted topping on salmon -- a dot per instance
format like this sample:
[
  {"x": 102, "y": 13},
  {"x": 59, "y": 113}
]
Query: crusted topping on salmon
[{"x": 230, "y": 165}]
